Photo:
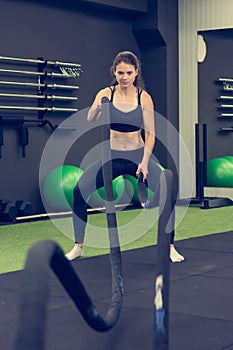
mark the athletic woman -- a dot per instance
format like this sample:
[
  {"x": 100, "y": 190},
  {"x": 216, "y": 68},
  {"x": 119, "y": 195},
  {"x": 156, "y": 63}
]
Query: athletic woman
[{"x": 131, "y": 110}]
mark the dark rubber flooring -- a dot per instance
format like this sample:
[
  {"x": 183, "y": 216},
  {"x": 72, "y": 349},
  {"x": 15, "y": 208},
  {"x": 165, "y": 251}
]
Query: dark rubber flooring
[{"x": 201, "y": 301}]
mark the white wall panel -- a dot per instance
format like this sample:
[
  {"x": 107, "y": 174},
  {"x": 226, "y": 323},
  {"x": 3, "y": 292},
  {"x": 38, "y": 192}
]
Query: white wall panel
[{"x": 195, "y": 15}]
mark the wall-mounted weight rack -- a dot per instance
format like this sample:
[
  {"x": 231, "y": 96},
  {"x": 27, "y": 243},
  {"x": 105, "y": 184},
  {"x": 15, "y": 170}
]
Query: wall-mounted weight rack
[
  {"x": 37, "y": 85},
  {"x": 35, "y": 88},
  {"x": 225, "y": 102}
]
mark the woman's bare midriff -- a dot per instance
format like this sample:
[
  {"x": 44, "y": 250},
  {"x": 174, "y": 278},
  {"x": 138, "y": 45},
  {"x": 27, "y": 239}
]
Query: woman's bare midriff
[{"x": 122, "y": 141}]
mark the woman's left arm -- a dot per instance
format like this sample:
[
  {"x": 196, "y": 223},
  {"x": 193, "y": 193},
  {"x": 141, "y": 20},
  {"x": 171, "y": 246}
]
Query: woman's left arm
[{"x": 149, "y": 127}]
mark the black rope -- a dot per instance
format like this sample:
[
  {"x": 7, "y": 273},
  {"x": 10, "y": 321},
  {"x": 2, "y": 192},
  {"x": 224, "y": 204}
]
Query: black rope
[
  {"x": 162, "y": 281},
  {"x": 115, "y": 253},
  {"x": 47, "y": 255},
  {"x": 142, "y": 189}
]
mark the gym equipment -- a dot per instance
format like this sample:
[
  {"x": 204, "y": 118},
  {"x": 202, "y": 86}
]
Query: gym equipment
[
  {"x": 19, "y": 122},
  {"x": 70, "y": 72},
  {"x": 42, "y": 109},
  {"x": 40, "y": 85},
  {"x": 226, "y": 115},
  {"x": 201, "y": 160},
  {"x": 58, "y": 186},
  {"x": 226, "y": 129},
  {"x": 44, "y": 97},
  {"x": 162, "y": 280},
  {"x": 23, "y": 138},
  {"x": 131, "y": 185},
  {"x": 40, "y": 61},
  {"x": 142, "y": 189},
  {"x": 97, "y": 199},
  {"x": 230, "y": 158},
  {"x": 34, "y": 291},
  {"x": 220, "y": 172},
  {"x": 46, "y": 254},
  {"x": 227, "y": 86},
  {"x": 1, "y": 140},
  {"x": 34, "y": 73},
  {"x": 40, "y": 76},
  {"x": 201, "y": 172},
  {"x": 23, "y": 208},
  {"x": 115, "y": 252},
  {"x": 8, "y": 211}
]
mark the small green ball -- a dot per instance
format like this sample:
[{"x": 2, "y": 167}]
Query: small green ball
[{"x": 97, "y": 198}]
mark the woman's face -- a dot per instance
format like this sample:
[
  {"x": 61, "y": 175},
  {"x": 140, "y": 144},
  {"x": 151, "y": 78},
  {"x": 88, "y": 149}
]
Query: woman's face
[{"x": 125, "y": 74}]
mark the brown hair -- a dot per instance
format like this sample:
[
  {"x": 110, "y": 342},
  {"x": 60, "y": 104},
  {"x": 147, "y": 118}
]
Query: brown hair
[{"x": 129, "y": 58}]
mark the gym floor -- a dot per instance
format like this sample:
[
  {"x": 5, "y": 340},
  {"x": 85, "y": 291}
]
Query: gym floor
[{"x": 201, "y": 314}]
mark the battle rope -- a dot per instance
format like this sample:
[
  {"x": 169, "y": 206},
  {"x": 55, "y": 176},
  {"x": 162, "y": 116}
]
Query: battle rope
[
  {"x": 162, "y": 280},
  {"x": 47, "y": 255}
]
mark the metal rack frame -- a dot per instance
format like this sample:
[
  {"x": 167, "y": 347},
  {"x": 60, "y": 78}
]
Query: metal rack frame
[
  {"x": 225, "y": 109},
  {"x": 47, "y": 70},
  {"x": 38, "y": 94}
]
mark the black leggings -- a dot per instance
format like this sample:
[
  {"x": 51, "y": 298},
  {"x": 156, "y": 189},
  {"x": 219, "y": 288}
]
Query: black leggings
[{"x": 123, "y": 163}]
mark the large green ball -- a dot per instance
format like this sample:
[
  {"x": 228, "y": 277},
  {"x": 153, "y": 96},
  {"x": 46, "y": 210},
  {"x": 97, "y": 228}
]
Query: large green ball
[
  {"x": 220, "y": 172},
  {"x": 58, "y": 187},
  {"x": 97, "y": 198},
  {"x": 230, "y": 158}
]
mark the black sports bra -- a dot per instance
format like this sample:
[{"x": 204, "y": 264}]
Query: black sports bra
[{"x": 126, "y": 121}]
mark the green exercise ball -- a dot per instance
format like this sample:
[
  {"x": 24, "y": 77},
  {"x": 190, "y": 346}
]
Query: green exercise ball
[
  {"x": 131, "y": 185},
  {"x": 58, "y": 186},
  {"x": 220, "y": 172},
  {"x": 97, "y": 198},
  {"x": 230, "y": 158}
]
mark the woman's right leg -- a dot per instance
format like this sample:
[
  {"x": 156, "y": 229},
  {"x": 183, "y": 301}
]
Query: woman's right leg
[{"x": 91, "y": 180}]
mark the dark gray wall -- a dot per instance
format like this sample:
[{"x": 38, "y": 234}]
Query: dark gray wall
[
  {"x": 157, "y": 36},
  {"x": 218, "y": 63},
  {"x": 89, "y": 33}
]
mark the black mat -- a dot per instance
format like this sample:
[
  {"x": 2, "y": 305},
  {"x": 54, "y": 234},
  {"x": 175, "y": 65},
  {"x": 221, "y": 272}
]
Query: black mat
[{"x": 201, "y": 301}]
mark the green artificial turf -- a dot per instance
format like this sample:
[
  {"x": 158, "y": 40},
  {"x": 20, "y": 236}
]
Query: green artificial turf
[{"x": 16, "y": 239}]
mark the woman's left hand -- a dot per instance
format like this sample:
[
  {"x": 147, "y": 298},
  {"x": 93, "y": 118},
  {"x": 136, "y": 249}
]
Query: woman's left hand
[{"x": 142, "y": 168}]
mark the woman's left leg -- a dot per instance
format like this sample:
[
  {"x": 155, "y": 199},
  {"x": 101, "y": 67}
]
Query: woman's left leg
[{"x": 153, "y": 179}]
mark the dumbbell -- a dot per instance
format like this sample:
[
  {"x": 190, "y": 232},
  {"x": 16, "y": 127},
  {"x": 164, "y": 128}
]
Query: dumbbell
[
  {"x": 8, "y": 211},
  {"x": 23, "y": 208}
]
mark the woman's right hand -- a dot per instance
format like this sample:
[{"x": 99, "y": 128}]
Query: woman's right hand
[
  {"x": 94, "y": 113},
  {"x": 96, "y": 108}
]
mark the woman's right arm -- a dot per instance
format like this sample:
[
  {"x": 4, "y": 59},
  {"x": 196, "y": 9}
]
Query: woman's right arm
[{"x": 96, "y": 108}]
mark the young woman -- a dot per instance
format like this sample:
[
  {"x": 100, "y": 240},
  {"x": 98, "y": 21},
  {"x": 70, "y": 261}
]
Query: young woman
[{"x": 131, "y": 110}]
